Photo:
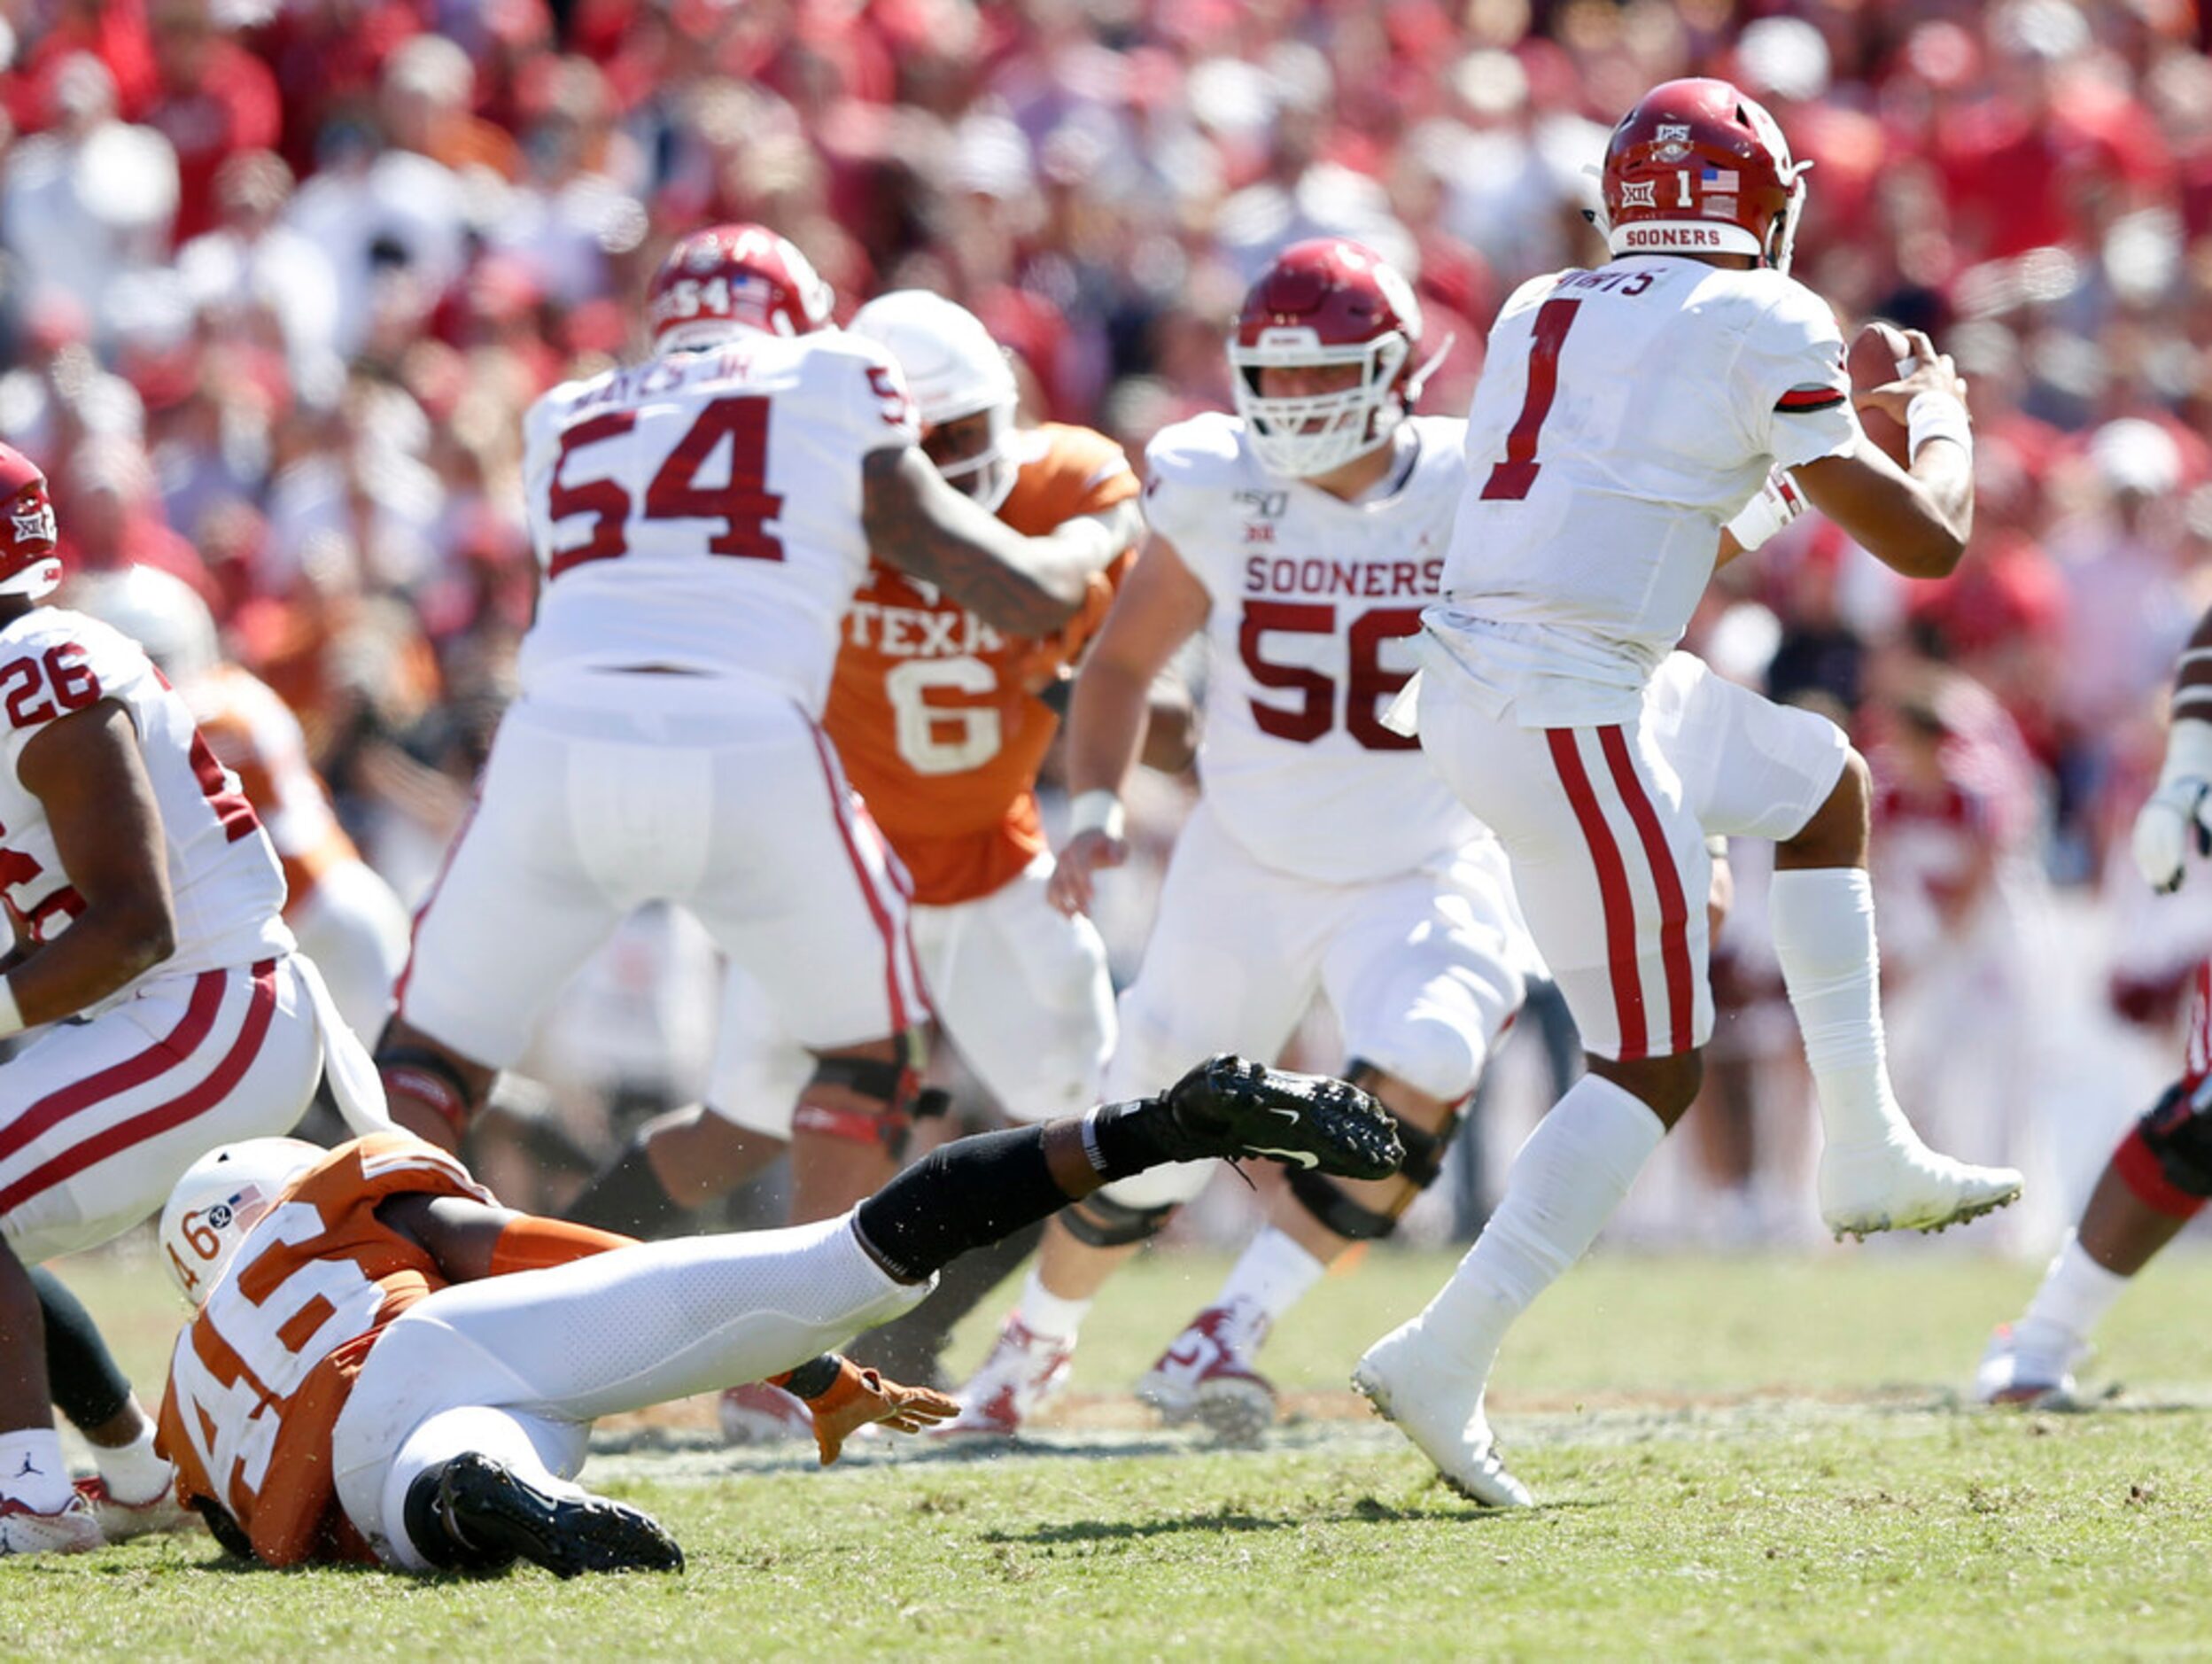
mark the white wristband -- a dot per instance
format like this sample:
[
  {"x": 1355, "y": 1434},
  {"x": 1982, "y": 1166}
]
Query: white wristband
[
  {"x": 1098, "y": 811},
  {"x": 11, "y": 1014},
  {"x": 1937, "y": 416}
]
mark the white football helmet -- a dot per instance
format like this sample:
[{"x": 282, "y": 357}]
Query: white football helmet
[
  {"x": 161, "y": 613},
  {"x": 223, "y": 1195},
  {"x": 953, "y": 368}
]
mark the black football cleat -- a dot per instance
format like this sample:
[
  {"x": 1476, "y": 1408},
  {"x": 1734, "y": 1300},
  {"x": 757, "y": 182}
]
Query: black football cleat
[
  {"x": 495, "y": 1517},
  {"x": 1230, "y": 1106}
]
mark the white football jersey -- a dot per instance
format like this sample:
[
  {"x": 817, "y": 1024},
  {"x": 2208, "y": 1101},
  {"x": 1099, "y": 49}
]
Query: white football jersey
[
  {"x": 1313, "y": 601},
  {"x": 1624, "y": 415},
  {"x": 701, "y": 510},
  {"x": 223, "y": 876}
]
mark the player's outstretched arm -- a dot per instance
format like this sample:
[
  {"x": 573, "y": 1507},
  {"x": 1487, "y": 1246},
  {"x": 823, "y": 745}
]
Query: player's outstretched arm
[
  {"x": 471, "y": 1240},
  {"x": 1025, "y": 586},
  {"x": 1916, "y": 522},
  {"x": 1160, "y": 605},
  {"x": 87, "y": 771},
  {"x": 2181, "y": 805}
]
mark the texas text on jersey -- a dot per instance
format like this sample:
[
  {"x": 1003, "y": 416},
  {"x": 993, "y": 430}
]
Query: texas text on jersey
[
  {"x": 1312, "y": 599},
  {"x": 934, "y": 714},
  {"x": 756, "y": 444},
  {"x": 258, "y": 1377},
  {"x": 222, "y": 876}
]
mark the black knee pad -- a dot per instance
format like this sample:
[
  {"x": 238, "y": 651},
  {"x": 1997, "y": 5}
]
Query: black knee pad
[
  {"x": 893, "y": 1084},
  {"x": 1099, "y": 1220},
  {"x": 1325, "y": 1200},
  {"x": 425, "y": 1073},
  {"x": 2177, "y": 1130}
]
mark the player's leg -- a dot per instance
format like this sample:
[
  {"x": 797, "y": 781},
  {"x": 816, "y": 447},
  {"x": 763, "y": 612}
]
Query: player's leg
[
  {"x": 1611, "y": 871},
  {"x": 1023, "y": 994},
  {"x": 1233, "y": 961},
  {"x": 2156, "y": 1182},
  {"x": 133, "y": 1493},
  {"x": 521, "y": 903},
  {"x": 1756, "y": 769},
  {"x": 1425, "y": 976},
  {"x": 639, "y": 1326}
]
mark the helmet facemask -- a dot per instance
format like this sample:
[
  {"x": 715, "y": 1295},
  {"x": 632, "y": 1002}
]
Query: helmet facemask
[
  {"x": 987, "y": 475},
  {"x": 1307, "y": 434}
]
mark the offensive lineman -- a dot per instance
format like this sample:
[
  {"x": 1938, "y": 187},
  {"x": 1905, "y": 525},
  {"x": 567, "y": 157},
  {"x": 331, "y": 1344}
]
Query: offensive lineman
[
  {"x": 1621, "y": 412},
  {"x": 148, "y": 952},
  {"x": 365, "y": 1381},
  {"x": 703, "y": 519},
  {"x": 2158, "y": 1178},
  {"x": 1304, "y": 536}
]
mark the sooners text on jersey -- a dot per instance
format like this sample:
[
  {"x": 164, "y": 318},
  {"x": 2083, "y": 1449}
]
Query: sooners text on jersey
[
  {"x": 223, "y": 877},
  {"x": 701, "y": 511},
  {"x": 934, "y": 714},
  {"x": 1313, "y": 599},
  {"x": 258, "y": 1379}
]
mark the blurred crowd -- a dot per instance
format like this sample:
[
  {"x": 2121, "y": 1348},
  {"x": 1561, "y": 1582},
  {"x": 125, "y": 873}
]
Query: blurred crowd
[{"x": 281, "y": 275}]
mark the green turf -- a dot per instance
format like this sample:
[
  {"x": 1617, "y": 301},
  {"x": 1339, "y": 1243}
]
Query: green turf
[{"x": 1737, "y": 1458}]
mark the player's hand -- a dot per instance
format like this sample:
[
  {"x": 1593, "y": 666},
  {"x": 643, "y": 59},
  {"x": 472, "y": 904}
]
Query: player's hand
[
  {"x": 1931, "y": 372},
  {"x": 1087, "y": 854},
  {"x": 2163, "y": 827},
  {"x": 861, "y": 1397}
]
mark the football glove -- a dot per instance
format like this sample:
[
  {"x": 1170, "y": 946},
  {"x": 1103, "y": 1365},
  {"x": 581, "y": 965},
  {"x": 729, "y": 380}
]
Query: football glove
[
  {"x": 2179, "y": 811},
  {"x": 860, "y": 1396},
  {"x": 1778, "y": 503}
]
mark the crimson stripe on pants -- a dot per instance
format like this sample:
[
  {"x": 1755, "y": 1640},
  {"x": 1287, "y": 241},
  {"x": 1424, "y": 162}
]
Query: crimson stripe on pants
[
  {"x": 1612, "y": 891},
  {"x": 833, "y": 778},
  {"x": 151, "y": 1124},
  {"x": 172, "y": 1049},
  {"x": 1674, "y": 907}
]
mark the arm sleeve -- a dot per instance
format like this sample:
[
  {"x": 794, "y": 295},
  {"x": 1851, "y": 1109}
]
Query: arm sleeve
[{"x": 1790, "y": 383}]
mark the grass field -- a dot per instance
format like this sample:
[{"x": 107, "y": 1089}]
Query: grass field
[{"x": 1735, "y": 1459}]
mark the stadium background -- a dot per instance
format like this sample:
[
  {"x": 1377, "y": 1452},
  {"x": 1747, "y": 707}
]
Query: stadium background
[{"x": 281, "y": 279}]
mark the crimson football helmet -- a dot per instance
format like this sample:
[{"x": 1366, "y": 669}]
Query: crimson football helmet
[
  {"x": 28, "y": 565},
  {"x": 730, "y": 277},
  {"x": 1327, "y": 300},
  {"x": 1698, "y": 168}
]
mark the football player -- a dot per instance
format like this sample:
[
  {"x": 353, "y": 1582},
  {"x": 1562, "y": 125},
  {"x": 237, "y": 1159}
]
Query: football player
[
  {"x": 345, "y": 916},
  {"x": 364, "y": 1380},
  {"x": 1622, "y": 414},
  {"x": 2158, "y": 1178},
  {"x": 1302, "y": 536},
  {"x": 144, "y": 904},
  {"x": 701, "y": 519}
]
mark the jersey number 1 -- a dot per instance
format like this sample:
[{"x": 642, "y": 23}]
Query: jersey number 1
[
  {"x": 1510, "y": 479},
  {"x": 744, "y": 506}
]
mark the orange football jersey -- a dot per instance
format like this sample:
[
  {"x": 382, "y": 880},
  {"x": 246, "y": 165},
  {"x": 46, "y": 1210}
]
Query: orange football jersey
[
  {"x": 935, "y": 714},
  {"x": 258, "y": 1379},
  {"x": 254, "y": 735}
]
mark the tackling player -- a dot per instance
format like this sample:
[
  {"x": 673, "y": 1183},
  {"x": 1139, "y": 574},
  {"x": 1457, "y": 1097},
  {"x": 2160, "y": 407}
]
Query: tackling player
[
  {"x": 365, "y": 1381},
  {"x": 2158, "y": 1178},
  {"x": 703, "y": 519},
  {"x": 1303, "y": 536},
  {"x": 143, "y": 902},
  {"x": 1622, "y": 413}
]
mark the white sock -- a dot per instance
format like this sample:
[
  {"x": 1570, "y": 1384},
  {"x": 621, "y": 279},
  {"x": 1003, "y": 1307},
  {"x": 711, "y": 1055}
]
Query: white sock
[
  {"x": 1271, "y": 1275},
  {"x": 132, "y": 1472},
  {"x": 1044, "y": 1314},
  {"x": 1566, "y": 1183},
  {"x": 1823, "y": 919},
  {"x": 32, "y": 1470},
  {"x": 2076, "y": 1293}
]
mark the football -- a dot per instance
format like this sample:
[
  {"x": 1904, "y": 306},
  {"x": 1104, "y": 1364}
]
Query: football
[{"x": 1878, "y": 356}]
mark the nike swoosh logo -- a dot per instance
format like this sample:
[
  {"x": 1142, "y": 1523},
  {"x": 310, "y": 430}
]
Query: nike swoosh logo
[
  {"x": 1290, "y": 1116},
  {"x": 1302, "y": 1158}
]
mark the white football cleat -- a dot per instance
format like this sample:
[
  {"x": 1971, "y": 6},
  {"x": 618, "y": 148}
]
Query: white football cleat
[
  {"x": 1440, "y": 1411},
  {"x": 120, "y": 1522},
  {"x": 2027, "y": 1364},
  {"x": 70, "y": 1529},
  {"x": 1023, "y": 1371},
  {"x": 757, "y": 1413},
  {"x": 1207, "y": 1374},
  {"x": 1904, "y": 1185}
]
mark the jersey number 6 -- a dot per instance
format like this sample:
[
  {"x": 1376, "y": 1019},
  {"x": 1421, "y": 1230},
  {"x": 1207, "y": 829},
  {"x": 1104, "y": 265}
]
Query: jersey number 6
[{"x": 744, "y": 506}]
